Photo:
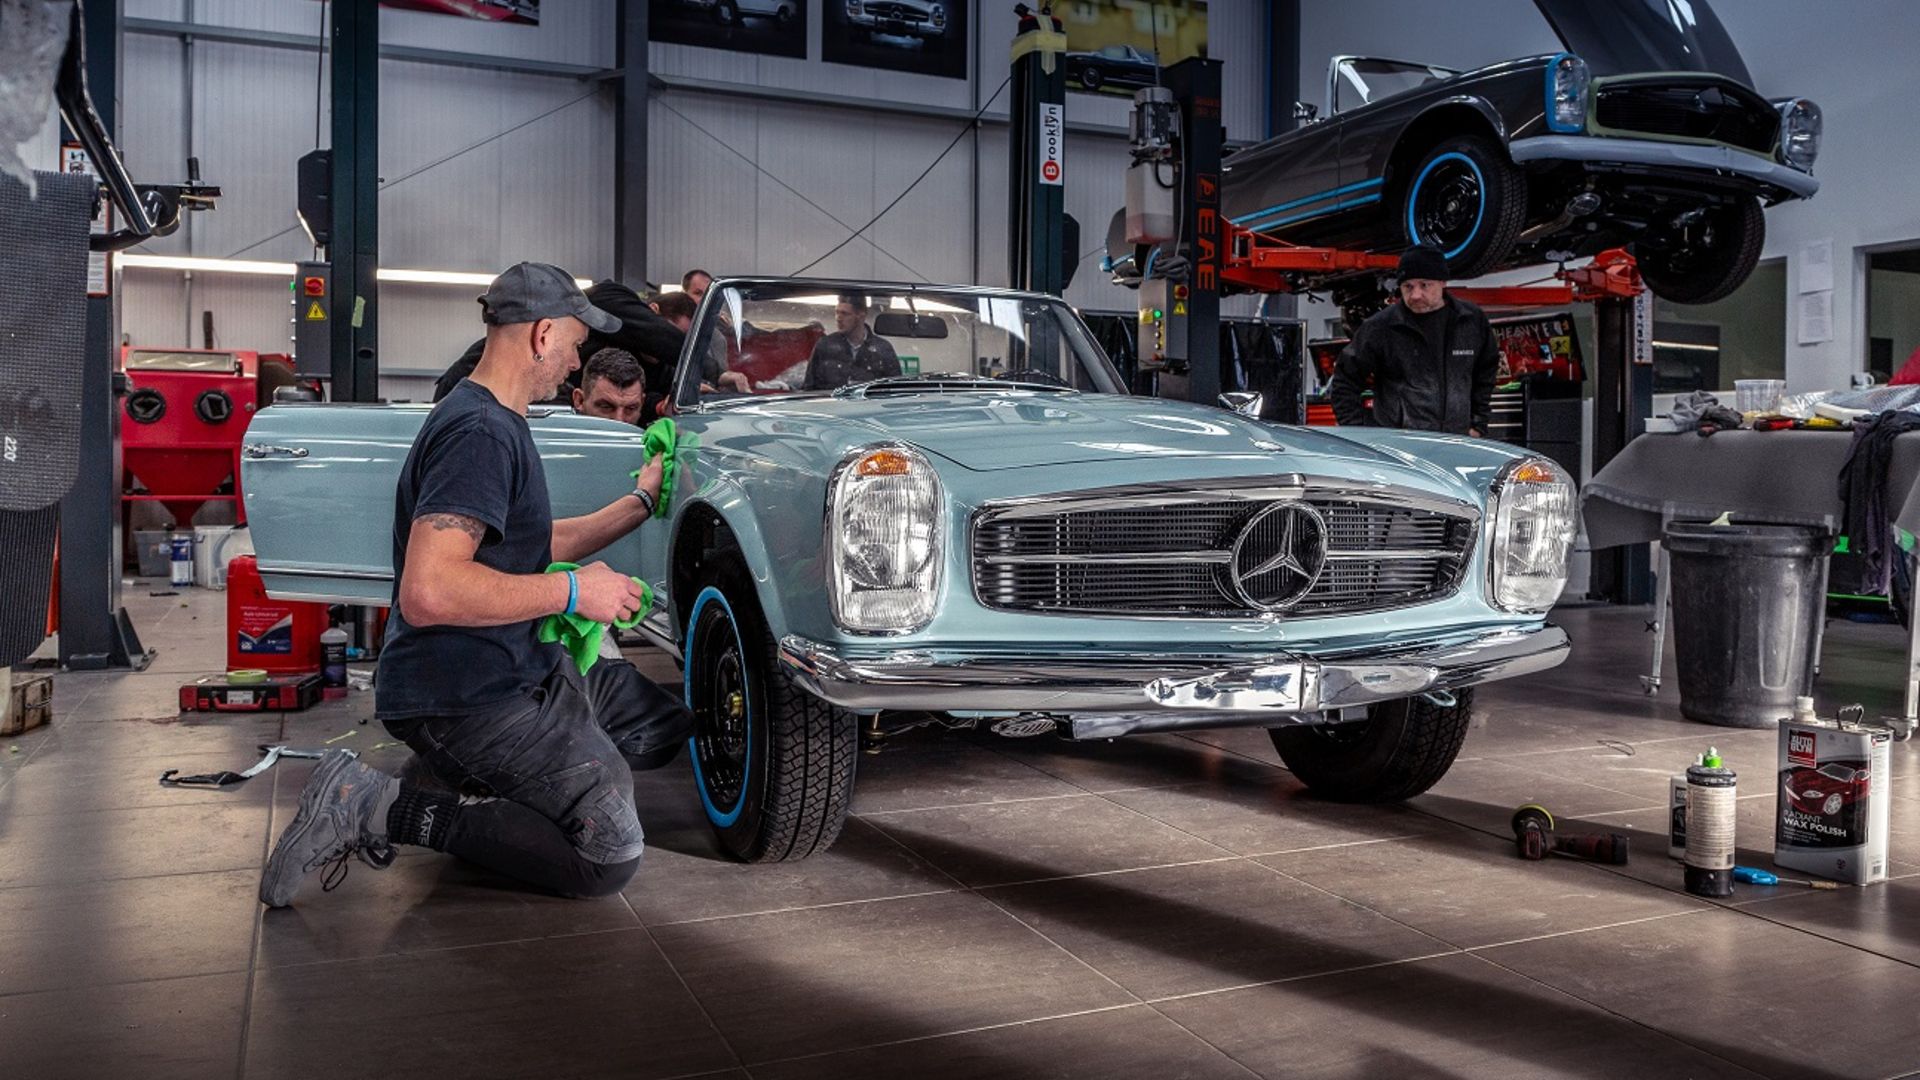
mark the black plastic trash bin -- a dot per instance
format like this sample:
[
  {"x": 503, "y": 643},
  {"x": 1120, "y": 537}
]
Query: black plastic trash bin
[{"x": 1746, "y": 611}]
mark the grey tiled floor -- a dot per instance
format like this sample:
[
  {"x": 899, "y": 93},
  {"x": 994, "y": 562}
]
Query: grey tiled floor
[{"x": 1160, "y": 907}]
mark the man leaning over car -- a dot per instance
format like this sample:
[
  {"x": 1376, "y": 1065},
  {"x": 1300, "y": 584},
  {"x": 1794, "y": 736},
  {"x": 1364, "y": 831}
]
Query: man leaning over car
[{"x": 1432, "y": 359}]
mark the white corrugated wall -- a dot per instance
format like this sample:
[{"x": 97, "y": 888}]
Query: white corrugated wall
[{"x": 543, "y": 192}]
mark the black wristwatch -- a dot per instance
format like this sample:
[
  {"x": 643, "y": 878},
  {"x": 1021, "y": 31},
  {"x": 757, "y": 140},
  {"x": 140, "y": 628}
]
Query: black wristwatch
[{"x": 646, "y": 499}]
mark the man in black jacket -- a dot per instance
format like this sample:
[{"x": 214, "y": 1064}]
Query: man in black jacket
[
  {"x": 1431, "y": 358},
  {"x": 652, "y": 340}
]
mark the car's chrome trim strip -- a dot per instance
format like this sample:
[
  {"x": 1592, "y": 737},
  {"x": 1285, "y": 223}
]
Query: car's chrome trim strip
[
  {"x": 1164, "y": 689},
  {"x": 1603, "y": 150},
  {"x": 1154, "y": 557},
  {"x": 325, "y": 573},
  {"x": 1243, "y": 489}
]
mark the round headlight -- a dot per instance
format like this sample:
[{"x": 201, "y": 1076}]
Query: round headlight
[
  {"x": 1534, "y": 524},
  {"x": 1568, "y": 80},
  {"x": 884, "y": 509},
  {"x": 1800, "y": 127}
]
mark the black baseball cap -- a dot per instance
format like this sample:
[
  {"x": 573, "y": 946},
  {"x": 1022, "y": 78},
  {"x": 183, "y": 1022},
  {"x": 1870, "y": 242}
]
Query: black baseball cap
[
  {"x": 530, "y": 291},
  {"x": 1423, "y": 261}
]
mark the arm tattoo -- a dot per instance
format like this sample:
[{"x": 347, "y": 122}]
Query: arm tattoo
[{"x": 457, "y": 521}]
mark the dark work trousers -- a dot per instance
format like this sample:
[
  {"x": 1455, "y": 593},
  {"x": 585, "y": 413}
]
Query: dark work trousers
[{"x": 548, "y": 792}]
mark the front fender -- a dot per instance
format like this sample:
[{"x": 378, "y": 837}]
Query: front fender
[{"x": 781, "y": 558}]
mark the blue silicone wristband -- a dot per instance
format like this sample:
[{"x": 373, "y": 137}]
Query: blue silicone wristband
[{"x": 573, "y": 592}]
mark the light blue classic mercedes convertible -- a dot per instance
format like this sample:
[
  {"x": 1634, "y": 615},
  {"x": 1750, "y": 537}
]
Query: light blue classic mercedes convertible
[{"x": 968, "y": 520}]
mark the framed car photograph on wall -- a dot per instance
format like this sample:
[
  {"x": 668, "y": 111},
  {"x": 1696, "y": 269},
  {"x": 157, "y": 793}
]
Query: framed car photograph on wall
[
  {"x": 925, "y": 37},
  {"x": 1112, "y": 44},
  {"x": 523, "y": 12},
  {"x": 768, "y": 27}
]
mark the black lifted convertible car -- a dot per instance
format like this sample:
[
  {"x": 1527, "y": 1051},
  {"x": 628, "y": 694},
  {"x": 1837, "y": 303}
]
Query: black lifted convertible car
[{"x": 1647, "y": 132}]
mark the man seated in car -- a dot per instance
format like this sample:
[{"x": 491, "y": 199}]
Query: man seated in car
[{"x": 852, "y": 354}]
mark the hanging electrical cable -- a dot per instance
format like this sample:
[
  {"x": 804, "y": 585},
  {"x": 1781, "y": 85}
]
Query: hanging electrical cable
[
  {"x": 961, "y": 134},
  {"x": 796, "y": 192}
]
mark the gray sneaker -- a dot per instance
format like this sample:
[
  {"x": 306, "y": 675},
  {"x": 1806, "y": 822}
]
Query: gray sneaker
[{"x": 339, "y": 816}]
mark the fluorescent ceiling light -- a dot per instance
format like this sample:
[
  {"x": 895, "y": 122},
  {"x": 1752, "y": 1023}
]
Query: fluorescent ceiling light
[
  {"x": 1690, "y": 346},
  {"x": 923, "y": 305},
  {"x": 210, "y": 266},
  {"x": 436, "y": 277},
  {"x": 201, "y": 265}
]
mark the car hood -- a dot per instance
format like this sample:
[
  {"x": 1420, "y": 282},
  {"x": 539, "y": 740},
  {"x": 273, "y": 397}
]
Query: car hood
[
  {"x": 996, "y": 431},
  {"x": 1624, "y": 37}
]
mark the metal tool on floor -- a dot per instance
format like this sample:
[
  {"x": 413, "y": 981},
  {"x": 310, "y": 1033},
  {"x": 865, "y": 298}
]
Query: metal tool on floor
[
  {"x": 1535, "y": 836},
  {"x": 271, "y": 755},
  {"x": 1753, "y": 875}
]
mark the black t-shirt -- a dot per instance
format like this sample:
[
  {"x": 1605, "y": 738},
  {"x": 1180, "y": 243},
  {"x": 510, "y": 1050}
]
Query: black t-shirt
[
  {"x": 474, "y": 457},
  {"x": 1433, "y": 327}
]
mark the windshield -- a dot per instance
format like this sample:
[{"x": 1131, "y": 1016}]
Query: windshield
[
  {"x": 764, "y": 338},
  {"x": 1625, "y": 37},
  {"x": 1359, "y": 80}
]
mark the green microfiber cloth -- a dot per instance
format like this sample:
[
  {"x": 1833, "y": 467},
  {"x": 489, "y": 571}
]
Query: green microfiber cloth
[
  {"x": 663, "y": 438},
  {"x": 579, "y": 635}
]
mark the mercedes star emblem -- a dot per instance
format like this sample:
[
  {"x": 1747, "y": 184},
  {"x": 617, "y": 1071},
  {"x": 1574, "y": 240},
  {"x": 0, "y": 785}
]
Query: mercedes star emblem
[{"x": 1279, "y": 556}]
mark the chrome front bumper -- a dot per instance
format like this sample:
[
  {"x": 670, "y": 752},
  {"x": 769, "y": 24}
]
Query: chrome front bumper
[
  {"x": 1657, "y": 154},
  {"x": 1181, "y": 689}
]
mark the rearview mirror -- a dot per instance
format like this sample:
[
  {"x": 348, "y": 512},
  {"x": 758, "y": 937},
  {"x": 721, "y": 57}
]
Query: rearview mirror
[
  {"x": 1244, "y": 402},
  {"x": 1305, "y": 112},
  {"x": 903, "y": 324}
]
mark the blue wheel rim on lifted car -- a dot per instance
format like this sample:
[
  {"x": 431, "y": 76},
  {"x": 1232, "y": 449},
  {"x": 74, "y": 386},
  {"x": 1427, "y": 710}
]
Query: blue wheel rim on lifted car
[
  {"x": 1413, "y": 202},
  {"x": 721, "y": 819}
]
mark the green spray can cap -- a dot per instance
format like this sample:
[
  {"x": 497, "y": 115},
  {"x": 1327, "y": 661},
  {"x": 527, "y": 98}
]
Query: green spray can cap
[{"x": 1711, "y": 759}]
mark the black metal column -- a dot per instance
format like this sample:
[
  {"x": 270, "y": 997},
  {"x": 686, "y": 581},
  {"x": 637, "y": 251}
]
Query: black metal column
[
  {"x": 1036, "y": 202},
  {"x": 630, "y": 144},
  {"x": 1193, "y": 322},
  {"x": 95, "y": 632},
  {"x": 1622, "y": 396},
  {"x": 355, "y": 247},
  {"x": 1283, "y": 64}
]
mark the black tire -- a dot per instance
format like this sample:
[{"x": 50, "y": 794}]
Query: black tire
[
  {"x": 1090, "y": 78},
  {"x": 1401, "y": 749},
  {"x": 726, "y": 14},
  {"x": 1468, "y": 200},
  {"x": 784, "y": 16},
  {"x": 1706, "y": 261},
  {"x": 773, "y": 765}
]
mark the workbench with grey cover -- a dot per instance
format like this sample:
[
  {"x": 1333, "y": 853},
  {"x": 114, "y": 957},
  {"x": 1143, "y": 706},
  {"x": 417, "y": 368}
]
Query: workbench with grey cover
[{"x": 1781, "y": 477}]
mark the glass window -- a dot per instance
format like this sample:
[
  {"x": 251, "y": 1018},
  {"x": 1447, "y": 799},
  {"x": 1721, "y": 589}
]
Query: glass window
[
  {"x": 1893, "y": 311},
  {"x": 786, "y": 338},
  {"x": 1708, "y": 346},
  {"x": 1364, "y": 79}
]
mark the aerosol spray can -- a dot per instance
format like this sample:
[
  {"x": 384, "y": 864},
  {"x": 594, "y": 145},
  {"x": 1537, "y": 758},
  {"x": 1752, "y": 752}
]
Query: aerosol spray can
[
  {"x": 180, "y": 549},
  {"x": 1711, "y": 816}
]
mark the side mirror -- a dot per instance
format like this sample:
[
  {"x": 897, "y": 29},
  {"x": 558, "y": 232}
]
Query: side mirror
[
  {"x": 1244, "y": 402},
  {"x": 1306, "y": 113}
]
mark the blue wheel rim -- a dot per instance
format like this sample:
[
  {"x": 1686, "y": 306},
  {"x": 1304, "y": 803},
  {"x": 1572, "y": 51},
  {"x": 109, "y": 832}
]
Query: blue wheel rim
[
  {"x": 1413, "y": 201},
  {"x": 720, "y": 818}
]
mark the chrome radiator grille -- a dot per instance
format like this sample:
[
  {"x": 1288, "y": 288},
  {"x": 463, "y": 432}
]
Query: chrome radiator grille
[{"x": 1174, "y": 554}]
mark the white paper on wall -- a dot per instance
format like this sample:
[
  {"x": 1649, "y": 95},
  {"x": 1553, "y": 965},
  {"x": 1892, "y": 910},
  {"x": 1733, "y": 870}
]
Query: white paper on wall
[
  {"x": 1816, "y": 267},
  {"x": 1816, "y": 317}
]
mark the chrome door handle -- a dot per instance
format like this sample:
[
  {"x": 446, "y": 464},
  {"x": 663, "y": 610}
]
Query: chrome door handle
[{"x": 257, "y": 451}]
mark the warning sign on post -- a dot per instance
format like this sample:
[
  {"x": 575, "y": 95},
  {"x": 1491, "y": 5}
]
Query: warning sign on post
[
  {"x": 74, "y": 159},
  {"x": 316, "y": 313},
  {"x": 1053, "y": 144}
]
